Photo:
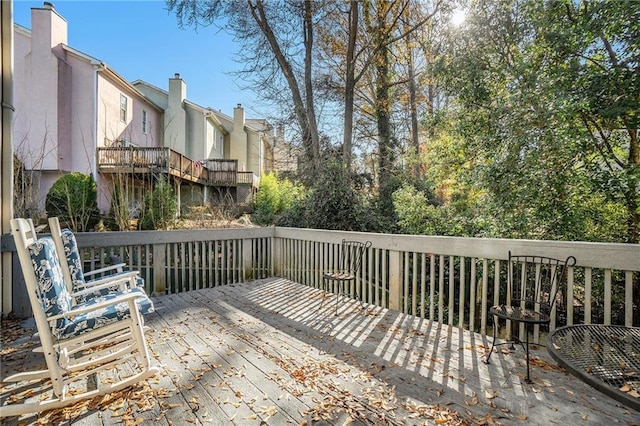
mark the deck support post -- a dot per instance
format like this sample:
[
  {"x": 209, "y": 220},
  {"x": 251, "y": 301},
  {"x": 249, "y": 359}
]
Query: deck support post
[
  {"x": 247, "y": 259},
  {"x": 276, "y": 267},
  {"x": 395, "y": 282},
  {"x": 159, "y": 267}
]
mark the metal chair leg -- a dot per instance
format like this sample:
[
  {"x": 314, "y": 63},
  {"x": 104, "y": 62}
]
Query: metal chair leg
[
  {"x": 528, "y": 379},
  {"x": 493, "y": 343}
]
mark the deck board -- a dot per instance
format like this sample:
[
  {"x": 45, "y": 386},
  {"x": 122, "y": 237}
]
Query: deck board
[{"x": 273, "y": 352}]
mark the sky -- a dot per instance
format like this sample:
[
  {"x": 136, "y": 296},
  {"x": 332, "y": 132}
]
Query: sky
[{"x": 142, "y": 40}]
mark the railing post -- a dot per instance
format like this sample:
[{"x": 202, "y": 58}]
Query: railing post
[
  {"x": 159, "y": 268},
  {"x": 247, "y": 259},
  {"x": 395, "y": 283},
  {"x": 276, "y": 266}
]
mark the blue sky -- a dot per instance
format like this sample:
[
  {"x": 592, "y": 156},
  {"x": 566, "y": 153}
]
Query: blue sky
[{"x": 142, "y": 40}]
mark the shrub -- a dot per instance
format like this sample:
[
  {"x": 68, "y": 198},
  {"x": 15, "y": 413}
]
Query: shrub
[
  {"x": 73, "y": 198},
  {"x": 334, "y": 204},
  {"x": 274, "y": 197},
  {"x": 160, "y": 207}
]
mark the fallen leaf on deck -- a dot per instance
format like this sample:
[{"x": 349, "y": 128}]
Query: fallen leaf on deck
[{"x": 490, "y": 393}]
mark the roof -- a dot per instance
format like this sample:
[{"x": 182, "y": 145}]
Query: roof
[{"x": 206, "y": 111}]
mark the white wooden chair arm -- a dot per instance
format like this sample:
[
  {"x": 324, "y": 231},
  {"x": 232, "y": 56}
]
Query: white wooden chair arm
[
  {"x": 124, "y": 276},
  {"x": 118, "y": 267},
  {"x": 94, "y": 287},
  {"x": 110, "y": 302}
]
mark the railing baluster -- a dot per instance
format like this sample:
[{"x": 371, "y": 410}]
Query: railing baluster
[
  {"x": 628, "y": 298},
  {"x": 462, "y": 291},
  {"x": 607, "y": 296},
  {"x": 452, "y": 298}
]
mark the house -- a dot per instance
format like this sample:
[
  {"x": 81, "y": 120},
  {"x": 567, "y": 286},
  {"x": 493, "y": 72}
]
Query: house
[
  {"x": 206, "y": 134},
  {"x": 75, "y": 113}
]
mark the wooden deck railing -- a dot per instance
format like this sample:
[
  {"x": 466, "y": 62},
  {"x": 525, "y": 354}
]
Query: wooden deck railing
[
  {"x": 223, "y": 172},
  {"x": 448, "y": 279},
  {"x": 248, "y": 178},
  {"x": 165, "y": 160}
]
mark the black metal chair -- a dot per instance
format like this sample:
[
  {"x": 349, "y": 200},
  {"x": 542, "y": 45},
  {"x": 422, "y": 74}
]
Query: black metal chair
[
  {"x": 351, "y": 255},
  {"x": 533, "y": 284}
]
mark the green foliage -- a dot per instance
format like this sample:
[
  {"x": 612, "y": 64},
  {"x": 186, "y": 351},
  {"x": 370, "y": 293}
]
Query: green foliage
[
  {"x": 73, "y": 198},
  {"x": 332, "y": 203},
  {"x": 412, "y": 209},
  {"x": 547, "y": 113},
  {"x": 274, "y": 197},
  {"x": 160, "y": 207}
]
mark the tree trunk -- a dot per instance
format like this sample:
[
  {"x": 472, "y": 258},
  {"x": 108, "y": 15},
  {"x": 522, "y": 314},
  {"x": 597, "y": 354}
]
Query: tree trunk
[
  {"x": 383, "y": 107},
  {"x": 350, "y": 86},
  {"x": 308, "y": 84},
  {"x": 413, "y": 105},
  {"x": 308, "y": 129}
]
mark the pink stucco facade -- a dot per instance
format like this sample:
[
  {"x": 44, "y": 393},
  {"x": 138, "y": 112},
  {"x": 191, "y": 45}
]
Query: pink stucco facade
[{"x": 69, "y": 103}]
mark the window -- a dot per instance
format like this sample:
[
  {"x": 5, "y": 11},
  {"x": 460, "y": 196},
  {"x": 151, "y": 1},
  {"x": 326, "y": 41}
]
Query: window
[
  {"x": 144, "y": 121},
  {"x": 123, "y": 108}
]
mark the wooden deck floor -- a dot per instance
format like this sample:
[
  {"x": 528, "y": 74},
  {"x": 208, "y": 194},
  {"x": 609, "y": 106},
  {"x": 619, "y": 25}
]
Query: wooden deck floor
[{"x": 273, "y": 352}]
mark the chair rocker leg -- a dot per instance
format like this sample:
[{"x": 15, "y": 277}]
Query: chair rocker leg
[{"x": 35, "y": 407}]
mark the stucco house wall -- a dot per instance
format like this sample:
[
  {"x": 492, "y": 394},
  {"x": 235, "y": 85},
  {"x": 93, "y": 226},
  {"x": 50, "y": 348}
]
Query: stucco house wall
[
  {"x": 68, "y": 104},
  {"x": 112, "y": 131},
  {"x": 194, "y": 130}
]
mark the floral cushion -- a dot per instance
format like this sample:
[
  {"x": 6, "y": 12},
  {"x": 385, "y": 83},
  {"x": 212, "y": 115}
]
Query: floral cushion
[
  {"x": 145, "y": 305},
  {"x": 51, "y": 289},
  {"x": 73, "y": 257},
  {"x": 80, "y": 323},
  {"x": 55, "y": 298},
  {"x": 75, "y": 269}
]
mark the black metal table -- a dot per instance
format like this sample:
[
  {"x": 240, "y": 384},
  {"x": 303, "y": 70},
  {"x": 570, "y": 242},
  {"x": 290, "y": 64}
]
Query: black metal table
[{"x": 606, "y": 357}]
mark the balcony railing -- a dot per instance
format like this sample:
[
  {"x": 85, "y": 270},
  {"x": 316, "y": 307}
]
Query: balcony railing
[
  {"x": 448, "y": 279},
  {"x": 165, "y": 160}
]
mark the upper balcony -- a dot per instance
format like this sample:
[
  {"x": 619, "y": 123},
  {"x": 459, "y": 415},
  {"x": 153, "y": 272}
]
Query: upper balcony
[{"x": 137, "y": 160}]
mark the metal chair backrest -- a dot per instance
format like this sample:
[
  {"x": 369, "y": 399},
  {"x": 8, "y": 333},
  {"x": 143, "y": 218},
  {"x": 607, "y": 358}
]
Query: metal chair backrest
[
  {"x": 351, "y": 255},
  {"x": 535, "y": 281}
]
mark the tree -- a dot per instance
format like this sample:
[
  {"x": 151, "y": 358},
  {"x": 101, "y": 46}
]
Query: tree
[
  {"x": 272, "y": 35},
  {"x": 592, "y": 55},
  {"x": 520, "y": 116}
]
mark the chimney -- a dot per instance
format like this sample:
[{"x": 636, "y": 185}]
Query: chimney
[
  {"x": 238, "y": 118},
  {"x": 177, "y": 90},
  {"x": 48, "y": 28}
]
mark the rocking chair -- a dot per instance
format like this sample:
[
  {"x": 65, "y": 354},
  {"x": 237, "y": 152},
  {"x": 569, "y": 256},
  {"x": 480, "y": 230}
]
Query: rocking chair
[{"x": 80, "y": 340}]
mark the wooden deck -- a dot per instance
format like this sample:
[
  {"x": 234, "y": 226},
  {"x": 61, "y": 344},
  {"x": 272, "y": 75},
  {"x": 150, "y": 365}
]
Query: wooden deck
[{"x": 274, "y": 352}]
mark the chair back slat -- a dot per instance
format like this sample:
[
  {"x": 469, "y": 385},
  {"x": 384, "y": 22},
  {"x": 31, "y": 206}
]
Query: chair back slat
[
  {"x": 535, "y": 282},
  {"x": 351, "y": 255}
]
